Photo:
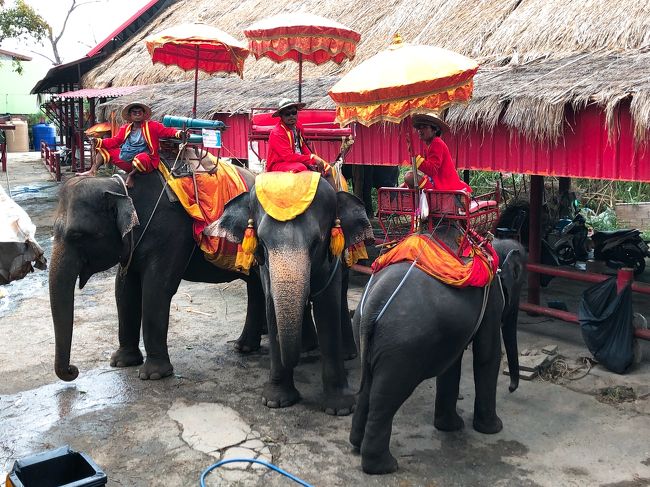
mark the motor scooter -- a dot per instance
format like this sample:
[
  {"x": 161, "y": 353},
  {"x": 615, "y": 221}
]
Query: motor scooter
[
  {"x": 572, "y": 241},
  {"x": 621, "y": 248}
]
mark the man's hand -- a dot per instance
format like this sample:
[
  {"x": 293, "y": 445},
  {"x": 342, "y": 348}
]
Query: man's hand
[{"x": 319, "y": 162}]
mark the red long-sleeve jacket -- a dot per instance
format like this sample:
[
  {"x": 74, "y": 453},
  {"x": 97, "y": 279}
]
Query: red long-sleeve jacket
[
  {"x": 152, "y": 132},
  {"x": 439, "y": 167},
  {"x": 281, "y": 155}
]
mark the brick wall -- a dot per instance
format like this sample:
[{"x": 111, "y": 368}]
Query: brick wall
[{"x": 633, "y": 215}]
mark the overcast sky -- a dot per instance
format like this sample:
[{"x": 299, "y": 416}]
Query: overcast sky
[{"x": 88, "y": 25}]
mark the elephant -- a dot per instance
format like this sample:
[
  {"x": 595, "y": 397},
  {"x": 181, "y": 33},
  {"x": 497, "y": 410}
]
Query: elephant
[
  {"x": 422, "y": 333},
  {"x": 95, "y": 228},
  {"x": 297, "y": 267}
]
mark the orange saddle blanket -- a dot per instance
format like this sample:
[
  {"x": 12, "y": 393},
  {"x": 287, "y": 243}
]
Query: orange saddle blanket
[
  {"x": 205, "y": 204},
  {"x": 441, "y": 263}
]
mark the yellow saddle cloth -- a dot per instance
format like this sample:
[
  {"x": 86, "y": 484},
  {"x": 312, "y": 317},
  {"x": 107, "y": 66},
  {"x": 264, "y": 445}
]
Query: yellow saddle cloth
[
  {"x": 285, "y": 195},
  {"x": 205, "y": 205},
  {"x": 441, "y": 263}
]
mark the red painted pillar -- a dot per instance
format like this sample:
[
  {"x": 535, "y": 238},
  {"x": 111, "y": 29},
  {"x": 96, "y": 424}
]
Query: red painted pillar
[
  {"x": 624, "y": 276},
  {"x": 535, "y": 235}
]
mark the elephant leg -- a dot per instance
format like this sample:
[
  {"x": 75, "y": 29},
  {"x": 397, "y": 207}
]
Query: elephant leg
[
  {"x": 156, "y": 302},
  {"x": 339, "y": 399},
  {"x": 349, "y": 345},
  {"x": 309, "y": 336},
  {"x": 487, "y": 359},
  {"x": 279, "y": 391},
  {"x": 390, "y": 387},
  {"x": 446, "y": 418},
  {"x": 128, "y": 295},
  {"x": 249, "y": 340},
  {"x": 361, "y": 410}
]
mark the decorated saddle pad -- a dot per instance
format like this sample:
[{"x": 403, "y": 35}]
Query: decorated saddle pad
[
  {"x": 205, "y": 205},
  {"x": 441, "y": 263},
  {"x": 285, "y": 195}
]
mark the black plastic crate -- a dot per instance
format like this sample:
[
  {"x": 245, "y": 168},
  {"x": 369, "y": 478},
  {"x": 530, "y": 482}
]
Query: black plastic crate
[{"x": 61, "y": 467}]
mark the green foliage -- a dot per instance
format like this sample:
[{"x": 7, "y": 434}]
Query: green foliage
[{"x": 21, "y": 21}]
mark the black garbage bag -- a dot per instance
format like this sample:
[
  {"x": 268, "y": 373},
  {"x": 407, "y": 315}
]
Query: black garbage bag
[{"x": 606, "y": 322}]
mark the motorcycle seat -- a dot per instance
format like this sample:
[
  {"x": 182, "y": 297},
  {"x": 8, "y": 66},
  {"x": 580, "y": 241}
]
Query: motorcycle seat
[{"x": 600, "y": 236}]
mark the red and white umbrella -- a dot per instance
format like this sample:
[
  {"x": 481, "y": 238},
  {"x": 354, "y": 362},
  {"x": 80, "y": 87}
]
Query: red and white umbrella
[
  {"x": 302, "y": 37},
  {"x": 198, "y": 47}
]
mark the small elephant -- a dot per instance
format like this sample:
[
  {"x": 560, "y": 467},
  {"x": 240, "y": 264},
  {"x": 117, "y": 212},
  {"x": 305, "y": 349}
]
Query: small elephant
[
  {"x": 423, "y": 334},
  {"x": 297, "y": 267},
  {"x": 95, "y": 228}
]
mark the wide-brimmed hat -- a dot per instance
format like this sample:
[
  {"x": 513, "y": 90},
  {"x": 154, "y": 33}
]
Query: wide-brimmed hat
[
  {"x": 286, "y": 103},
  {"x": 430, "y": 118},
  {"x": 145, "y": 108}
]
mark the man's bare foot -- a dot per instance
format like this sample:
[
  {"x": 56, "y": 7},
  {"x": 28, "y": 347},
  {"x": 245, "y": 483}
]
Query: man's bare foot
[{"x": 89, "y": 172}]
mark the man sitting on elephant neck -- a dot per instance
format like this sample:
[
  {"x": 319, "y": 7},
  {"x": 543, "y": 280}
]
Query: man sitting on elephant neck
[
  {"x": 436, "y": 169},
  {"x": 135, "y": 148},
  {"x": 287, "y": 150}
]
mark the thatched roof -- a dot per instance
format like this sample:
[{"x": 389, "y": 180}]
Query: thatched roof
[{"x": 536, "y": 55}]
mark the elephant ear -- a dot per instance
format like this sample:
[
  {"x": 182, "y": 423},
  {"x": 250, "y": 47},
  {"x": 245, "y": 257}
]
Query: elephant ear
[
  {"x": 234, "y": 219},
  {"x": 125, "y": 219},
  {"x": 125, "y": 215},
  {"x": 354, "y": 221},
  {"x": 512, "y": 270}
]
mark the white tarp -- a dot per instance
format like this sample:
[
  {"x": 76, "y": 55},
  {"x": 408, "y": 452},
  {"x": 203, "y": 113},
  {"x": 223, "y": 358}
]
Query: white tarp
[{"x": 19, "y": 251}]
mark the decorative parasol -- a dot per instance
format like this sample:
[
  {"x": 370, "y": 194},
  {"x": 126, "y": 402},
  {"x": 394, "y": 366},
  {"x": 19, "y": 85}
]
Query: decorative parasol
[
  {"x": 198, "y": 47},
  {"x": 302, "y": 37},
  {"x": 405, "y": 79}
]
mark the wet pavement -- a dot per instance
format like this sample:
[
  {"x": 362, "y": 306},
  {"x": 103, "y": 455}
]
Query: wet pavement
[{"x": 149, "y": 433}]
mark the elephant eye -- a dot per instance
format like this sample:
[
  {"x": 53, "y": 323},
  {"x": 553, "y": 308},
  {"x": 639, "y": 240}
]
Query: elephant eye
[{"x": 74, "y": 235}]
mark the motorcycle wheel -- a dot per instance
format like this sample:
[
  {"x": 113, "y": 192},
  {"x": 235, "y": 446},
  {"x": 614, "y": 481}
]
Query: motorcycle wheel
[
  {"x": 634, "y": 259},
  {"x": 566, "y": 255}
]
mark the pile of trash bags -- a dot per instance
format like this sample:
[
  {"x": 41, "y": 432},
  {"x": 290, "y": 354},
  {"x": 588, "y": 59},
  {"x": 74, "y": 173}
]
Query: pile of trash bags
[{"x": 19, "y": 251}]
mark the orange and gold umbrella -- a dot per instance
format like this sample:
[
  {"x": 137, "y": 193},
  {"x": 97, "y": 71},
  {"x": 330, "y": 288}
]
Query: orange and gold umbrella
[
  {"x": 302, "y": 37},
  {"x": 405, "y": 79},
  {"x": 198, "y": 47}
]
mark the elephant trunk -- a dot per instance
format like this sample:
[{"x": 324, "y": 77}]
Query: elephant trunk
[
  {"x": 289, "y": 272},
  {"x": 64, "y": 270}
]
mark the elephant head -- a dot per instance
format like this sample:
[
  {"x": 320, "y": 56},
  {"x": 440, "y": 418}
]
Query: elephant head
[
  {"x": 91, "y": 234},
  {"x": 294, "y": 255}
]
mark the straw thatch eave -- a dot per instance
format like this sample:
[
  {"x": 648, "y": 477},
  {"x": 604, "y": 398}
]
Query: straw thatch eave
[{"x": 536, "y": 55}]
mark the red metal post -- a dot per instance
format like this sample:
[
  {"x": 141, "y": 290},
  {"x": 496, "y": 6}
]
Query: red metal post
[
  {"x": 3, "y": 156},
  {"x": 534, "y": 235},
  {"x": 57, "y": 164},
  {"x": 624, "y": 276},
  {"x": 80, "y": 135},
  {"x": 299, "y": 77}
]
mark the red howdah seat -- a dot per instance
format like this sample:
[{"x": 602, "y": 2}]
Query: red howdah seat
[
  {"x": 397, "y": 207},
  {"x": 318, "y": 124}
]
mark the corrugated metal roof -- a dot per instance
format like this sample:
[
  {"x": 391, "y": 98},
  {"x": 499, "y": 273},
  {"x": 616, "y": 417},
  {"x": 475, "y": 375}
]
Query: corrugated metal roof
[
  {"x": 119, "y": 30},
  {"x": 111, "y": 92}
]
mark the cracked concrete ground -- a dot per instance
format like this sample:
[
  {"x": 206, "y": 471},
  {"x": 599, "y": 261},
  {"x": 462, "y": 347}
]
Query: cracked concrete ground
[{"x": 148, "y": 433}]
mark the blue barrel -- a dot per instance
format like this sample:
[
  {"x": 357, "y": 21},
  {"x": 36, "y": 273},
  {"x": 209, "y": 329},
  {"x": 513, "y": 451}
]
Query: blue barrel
[{"x": 44, "y": 132}]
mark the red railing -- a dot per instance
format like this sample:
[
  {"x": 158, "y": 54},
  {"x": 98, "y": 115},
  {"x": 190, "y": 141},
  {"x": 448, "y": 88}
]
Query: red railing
[{"x": 52, "y": 160}]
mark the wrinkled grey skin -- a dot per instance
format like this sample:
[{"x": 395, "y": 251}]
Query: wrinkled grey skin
[
  {"x": 92, "y": 234},
  {"x": 297, "y": 267},
  {"x": 423, "y": 334}
]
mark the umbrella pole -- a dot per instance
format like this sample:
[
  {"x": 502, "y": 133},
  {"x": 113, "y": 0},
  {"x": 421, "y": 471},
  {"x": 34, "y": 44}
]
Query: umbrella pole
[
  {"x": 196, "y": 81},
  {"x": 299, "y": 77}
]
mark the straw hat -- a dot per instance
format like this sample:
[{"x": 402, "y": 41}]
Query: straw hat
[
  {"x": 145, "y": 108},
  {"x": 431, "y": 118},
  {"x": 286, "y": 103}
]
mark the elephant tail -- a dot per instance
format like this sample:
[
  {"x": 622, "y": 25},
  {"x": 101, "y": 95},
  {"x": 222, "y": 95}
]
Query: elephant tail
[{"x": 509, "y": 334}]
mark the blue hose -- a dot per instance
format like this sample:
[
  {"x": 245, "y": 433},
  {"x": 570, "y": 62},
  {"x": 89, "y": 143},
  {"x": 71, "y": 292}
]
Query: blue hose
[{"x": 252, "y": 460}]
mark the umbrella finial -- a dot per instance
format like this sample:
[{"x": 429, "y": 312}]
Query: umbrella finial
[{"x": 397, "y": 39}]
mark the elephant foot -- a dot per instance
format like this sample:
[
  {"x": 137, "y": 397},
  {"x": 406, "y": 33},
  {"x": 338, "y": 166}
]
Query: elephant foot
[
  {"x": 340, "y": 404},
  {"x": 278, "y": 396},
  {"x": 489, "y": 427},
  {"x": 126, "y": 357},
  {"x": 245, "y": 344},
  {"x": 155, "y": 369},
  {"x": 449, "y": 422},
  {"x": 378, "y": 465}
]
